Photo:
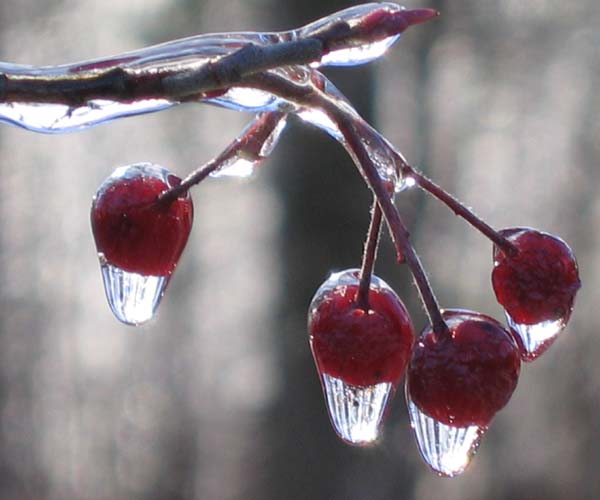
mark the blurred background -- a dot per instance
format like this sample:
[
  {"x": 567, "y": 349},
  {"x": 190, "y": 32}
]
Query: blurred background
[{"x": 218, "y": 397}]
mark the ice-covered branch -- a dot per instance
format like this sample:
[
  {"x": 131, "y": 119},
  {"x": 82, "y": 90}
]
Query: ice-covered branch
[{"x": 69, "y": 97}]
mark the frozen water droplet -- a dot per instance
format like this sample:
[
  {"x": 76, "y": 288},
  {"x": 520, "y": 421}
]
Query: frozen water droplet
[
  {"x": 236, "y": 167},
  {"x": 447, "y": 450},
  {"x": 246, "y": 99},
  {"x": 257, "y": 141},
  {"x": 271, "y": 141},
  {"x": 356, "y": 413},
  {"x": 358, "y": 55},
  {"x": 534, "y": 340},
  {"x": 133, "y": 298},
  {"x": 380, "y": 153},
  {"x": 404, "y": 183},
  {"x": 59, "y": 118}
]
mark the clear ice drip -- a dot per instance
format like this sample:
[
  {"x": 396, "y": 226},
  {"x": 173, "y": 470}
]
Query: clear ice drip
[
  {"x": 355, "y": 412},
  {"x": 534, "y": 340},
  {"x": 180, "y": 57},
  {"x": 133, "y": 298},
  {"x": 359, "y": 54},
  {"x": 59, "y": 118},
  {"x": 257, "y": 147},
  {"x": 447, "y": 450}
]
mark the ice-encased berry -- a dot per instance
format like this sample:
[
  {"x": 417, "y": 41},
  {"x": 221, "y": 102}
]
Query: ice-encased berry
[{"x": 465, "y": 376}]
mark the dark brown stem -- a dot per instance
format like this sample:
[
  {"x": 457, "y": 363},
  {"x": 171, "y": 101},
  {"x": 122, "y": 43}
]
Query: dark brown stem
[
  {"x": 369, "y": 256},
  {"x": 459, "y": 209}
]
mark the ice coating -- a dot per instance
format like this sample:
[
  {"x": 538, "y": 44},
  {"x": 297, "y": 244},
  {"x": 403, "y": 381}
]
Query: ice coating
[
  {"x": 133, "y": 298},
  {"x": 381, "y": 153},
  {"x": 256, "y": 142},
  {"x": 534, "y": 340},
  {"x": 448, "y": 450},
  {"x": 383, "y": 23},
  {"x": 356, "y": 413}
]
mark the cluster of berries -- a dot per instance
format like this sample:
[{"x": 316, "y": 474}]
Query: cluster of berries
[
  {"x": 463, "y": 367},
  {"x": 457, "y": 376}
]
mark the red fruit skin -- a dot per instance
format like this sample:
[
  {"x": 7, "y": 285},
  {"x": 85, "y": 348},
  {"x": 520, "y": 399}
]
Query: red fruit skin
[
  {"x": 362, "y": 348},
  {"x": 466, "y": 377},
  {"x": 540, "y": 282},
  {"x": 137, "y": 234}
]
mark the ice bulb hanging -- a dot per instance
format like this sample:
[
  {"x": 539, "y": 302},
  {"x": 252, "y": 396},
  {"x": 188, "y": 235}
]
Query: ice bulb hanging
[
  {"x": 139, "y": 239},
  {"x": 360, "y": 354},
  {"x": 536, "y": 283}
]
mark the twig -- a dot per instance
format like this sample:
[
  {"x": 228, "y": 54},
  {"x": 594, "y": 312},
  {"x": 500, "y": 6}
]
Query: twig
[
  {"x": 249, "y": 145},
  {"x": 458, "y": 208},
  {"x": 369, "y": 256}
]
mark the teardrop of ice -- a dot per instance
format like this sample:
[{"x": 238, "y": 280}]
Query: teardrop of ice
[
  {"x": 359, "y": 54},
  {"x": 447, "y": 450},
  {"x": 236, "y": 167},
  {"x": 380, "y": 154},
  {"x": 133, "y": 298},
  {"x": 59, "y": 118},
  {"x": 246, "y": 99},
  {"x": 272, "y": 139},
  {"x": 534, "y": 340},
  {"x": 356, "y": 412},
  {"x": 259, "y": 140}
]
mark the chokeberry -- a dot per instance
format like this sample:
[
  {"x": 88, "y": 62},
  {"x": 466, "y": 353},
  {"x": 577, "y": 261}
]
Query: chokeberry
[
  {"x": 133, "y": 231},
  {"x": 360, "y": 347},
  {"x": 464, "y": 376},
  {"x": 538, "y": 282}
]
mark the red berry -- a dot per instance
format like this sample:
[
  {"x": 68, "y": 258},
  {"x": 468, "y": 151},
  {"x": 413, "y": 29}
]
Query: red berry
[
  {"x": 539, "y": 282},
  {"x": 464, "y": 377},
  {"x": 362, "y": 348},
  {"x": 132, "y": 231}
]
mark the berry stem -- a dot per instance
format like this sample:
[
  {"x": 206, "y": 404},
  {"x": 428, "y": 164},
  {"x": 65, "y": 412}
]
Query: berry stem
[
  {"x": 457, "y": 207},
  {"x": 249, "y": 145},
  {"x": 369, "y": 256}
]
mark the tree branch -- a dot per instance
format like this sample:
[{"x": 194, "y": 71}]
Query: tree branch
[{"x": 118, "y": 79}]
